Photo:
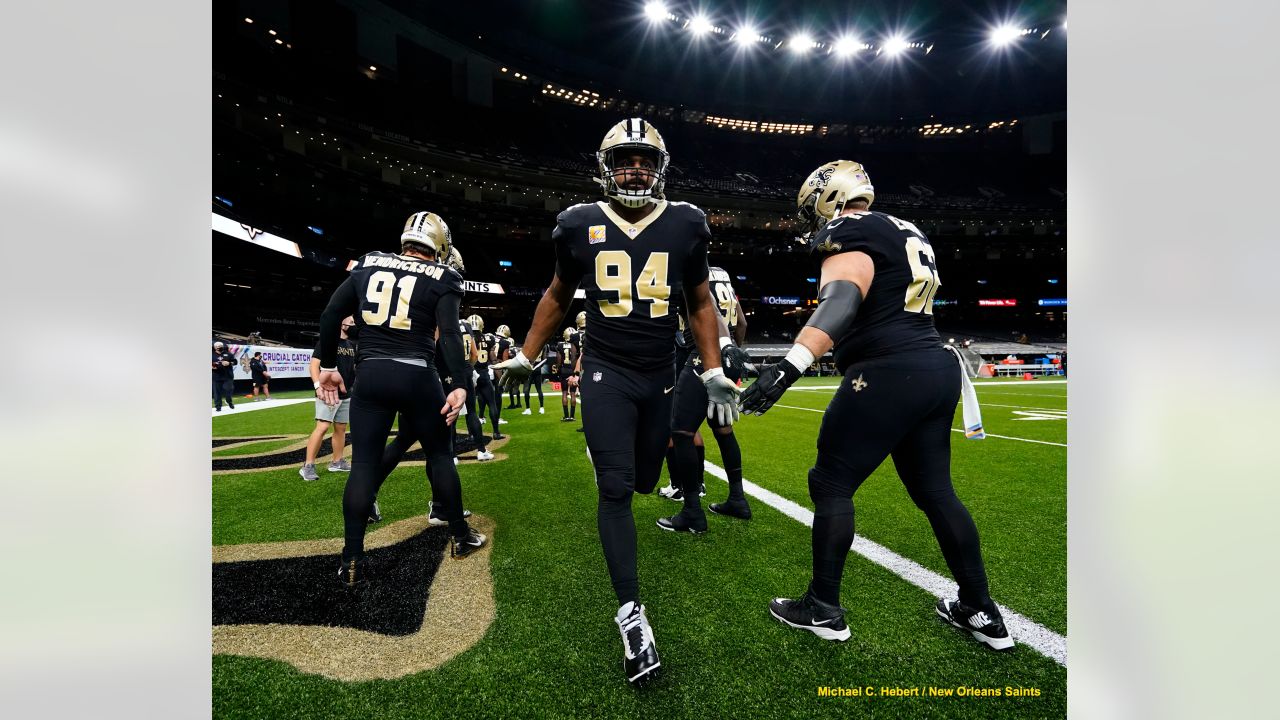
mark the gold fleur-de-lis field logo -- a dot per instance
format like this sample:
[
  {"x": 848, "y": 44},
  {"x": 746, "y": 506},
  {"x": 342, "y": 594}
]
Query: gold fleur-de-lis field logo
[{"x": 859, "y": 383}]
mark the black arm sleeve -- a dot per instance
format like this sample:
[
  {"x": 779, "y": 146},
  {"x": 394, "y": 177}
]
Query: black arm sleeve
[
  {"x": 447, "y": 309},
  {"x": 838, "y": 303},
  {"x": 343, "y": 303}
]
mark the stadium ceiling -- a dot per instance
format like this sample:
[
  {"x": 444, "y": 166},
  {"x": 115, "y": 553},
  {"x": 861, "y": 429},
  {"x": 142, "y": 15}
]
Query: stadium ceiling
[{"x": 882, "y": 60}]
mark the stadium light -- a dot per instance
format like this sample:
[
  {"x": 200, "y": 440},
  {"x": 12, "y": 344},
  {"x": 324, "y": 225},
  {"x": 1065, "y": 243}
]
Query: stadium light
[
  {"x": 800, "y": 42},
  {"x": 1004, "y": 35},
  {"x": 700, "y": 25},
  {"x": 656, "y": 11},
  {"x": 748, "y": 35},
  {"x": 896, "y": 45},
  {"x": 847, "y": 45}
]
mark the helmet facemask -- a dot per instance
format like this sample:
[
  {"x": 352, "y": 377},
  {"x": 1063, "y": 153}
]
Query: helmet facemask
[{"x": 615, "y": 165}]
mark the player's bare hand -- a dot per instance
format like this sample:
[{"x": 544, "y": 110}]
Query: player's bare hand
[
  {"x": 330, "y": 386},
  {"x": 453, "y": 405}
]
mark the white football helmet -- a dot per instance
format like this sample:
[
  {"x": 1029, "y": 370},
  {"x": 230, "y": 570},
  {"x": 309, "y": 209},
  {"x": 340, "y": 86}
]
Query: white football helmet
[
  {"x": 825, "y": 192},
  {"x": 632, "y": 135},
  {"x": 427, "y": 230}
]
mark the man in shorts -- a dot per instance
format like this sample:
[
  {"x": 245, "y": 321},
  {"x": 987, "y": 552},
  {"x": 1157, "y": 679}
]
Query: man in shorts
[{"x": 332, "y": 415}]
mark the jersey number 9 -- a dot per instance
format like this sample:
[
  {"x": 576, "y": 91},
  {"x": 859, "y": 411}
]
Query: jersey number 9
[{"x": 613, "y": 274}]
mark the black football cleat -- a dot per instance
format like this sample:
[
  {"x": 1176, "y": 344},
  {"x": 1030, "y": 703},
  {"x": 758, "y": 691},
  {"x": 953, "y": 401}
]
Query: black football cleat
[
  {"x": 680, "y": 522},
  {"x": 353, "y": 572},
  {"x": 809, "y": 613},
  {"x": 374, "y": 515},
  {"x": 732, "y": 508},
  {"x": 463, "y": 546},
  {"x": 436, "y": 518},
  {"x": 640, "y": 653},
  {"x": 986, "y": 628}
]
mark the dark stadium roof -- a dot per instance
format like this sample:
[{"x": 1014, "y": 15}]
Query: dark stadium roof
[{"x": 614, "y": 43}]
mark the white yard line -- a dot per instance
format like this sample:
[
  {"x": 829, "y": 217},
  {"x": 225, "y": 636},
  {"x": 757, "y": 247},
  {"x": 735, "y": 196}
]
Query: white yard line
[
  {"x": 1002, "y": 437},
  {"x": 245, "y": 406},
  {"x": 1024, "y": 630},
  {"x": 977, "y": 384}
]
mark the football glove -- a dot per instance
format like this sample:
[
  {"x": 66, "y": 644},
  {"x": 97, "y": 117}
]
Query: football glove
[
  {"x": 774, "y": 381},
  {"x": 722, "y": 397},
  {"x": 734, "y": 360},
  {"x": 514, "y": 371}
]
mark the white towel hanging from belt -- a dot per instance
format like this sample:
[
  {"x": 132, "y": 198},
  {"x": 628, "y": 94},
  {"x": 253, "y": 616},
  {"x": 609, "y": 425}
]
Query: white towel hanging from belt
[{"x": 969, "y": 396}]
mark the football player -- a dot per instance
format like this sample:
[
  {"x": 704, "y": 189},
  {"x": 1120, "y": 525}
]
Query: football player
[
  {"x": 897, "y": 397},
  {"x": 626, "y": 254},
  {"x": 398, "y": 301},
  {"x": 579, "y": 341},
  {"x": 685, "y": 456},
  {"x": 486, "y": 393},
  {"x": 567, "y": 371},
  {"x": 534, "y": 380}
]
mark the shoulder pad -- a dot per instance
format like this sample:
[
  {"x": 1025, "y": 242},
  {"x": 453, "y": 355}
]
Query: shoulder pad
[
  {"x": 683, "y": 206},
  {"x": 572, "y": 213}
]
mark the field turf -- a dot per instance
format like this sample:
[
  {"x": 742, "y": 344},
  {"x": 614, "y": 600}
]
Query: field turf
[{"x": 553, "y": 650}]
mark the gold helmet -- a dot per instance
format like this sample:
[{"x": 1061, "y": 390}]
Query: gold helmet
[
  {"x": 634, "y": 135},
  {"x": 454, "y": 260},
  {"x": 581, "y": 320},
  {"x": 826, "y": 191},
  {"x": 503, "y": 331},
  {"x": 569, "y": 333},
  {"x": 427, "y": 230},
  {"x": 476, "y": 323}
]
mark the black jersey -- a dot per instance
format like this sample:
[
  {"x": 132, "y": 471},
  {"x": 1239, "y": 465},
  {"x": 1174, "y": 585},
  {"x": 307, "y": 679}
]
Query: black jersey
[
  {"x": 723, "y": 297},
  {"x": 397, "y": 304},
  {"x": 566, "y": 356},
  {"x": 468, "y": 340},
  {"x": 485, "y": 343},
  {"x": 629, "y": 272},
  {"x": 897, "y": 315}
]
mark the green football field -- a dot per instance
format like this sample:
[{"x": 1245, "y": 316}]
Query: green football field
[{"x": 553, "y": 649}]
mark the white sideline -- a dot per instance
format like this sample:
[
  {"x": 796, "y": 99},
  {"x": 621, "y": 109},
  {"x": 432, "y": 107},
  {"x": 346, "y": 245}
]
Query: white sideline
[
  {"x": 979, "y": 384},
  {"x": 1024, "y": 630},
  {"x": 245, "y": 406},
  {"x": 990, "y": 435}
]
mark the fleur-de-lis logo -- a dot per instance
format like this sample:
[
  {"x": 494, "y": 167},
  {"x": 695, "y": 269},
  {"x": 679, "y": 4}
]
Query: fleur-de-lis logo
[
  {"x": 827, "y": 246},
  {"x": 859, "y": 383}
]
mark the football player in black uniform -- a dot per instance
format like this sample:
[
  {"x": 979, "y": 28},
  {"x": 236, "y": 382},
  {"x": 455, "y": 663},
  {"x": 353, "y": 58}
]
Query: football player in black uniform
[
  {"x": 398, "y": 301},
  {"x": 471, "y": 352},
  {"x": 685, "y": 460},
  {"x": 897, "y": 397},
  {"x": 567, "y": 356},
  {"x": 627, "y": 254},
  {"x": 540, "y": 363},
  {"x": 486, "y": 394},
  {"x": 579, "y": 341}
]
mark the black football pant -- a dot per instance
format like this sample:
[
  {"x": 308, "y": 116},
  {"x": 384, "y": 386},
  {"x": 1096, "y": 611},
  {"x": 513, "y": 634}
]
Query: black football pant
[
  {"x": 383, "y": 388},
  {"x": 487, "y": 398},
  {"x": 627, "y": 424},
  {"x": 473, "y": 417},
  {"x": 900, "y": 406},
  {"x": 223, "y": 389},
  {"x": 534, "y": 380},
  {"x": 688, "y": 414}
]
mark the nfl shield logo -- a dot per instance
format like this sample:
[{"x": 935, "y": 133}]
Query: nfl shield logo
[
  {"x": 595, "y": 234},
  {"x": 595, "y": 376}
]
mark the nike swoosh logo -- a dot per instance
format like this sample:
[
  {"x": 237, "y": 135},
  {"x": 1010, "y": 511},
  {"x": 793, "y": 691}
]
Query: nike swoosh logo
[
  {"x": 835, "y": 223},
  {"x": 828, "y": 621},
  {"x": 667, "y": 391}
]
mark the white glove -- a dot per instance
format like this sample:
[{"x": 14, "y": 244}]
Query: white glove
[
  {"x": 515, "y": 370},
  {"x": 722, "y": 397}
]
